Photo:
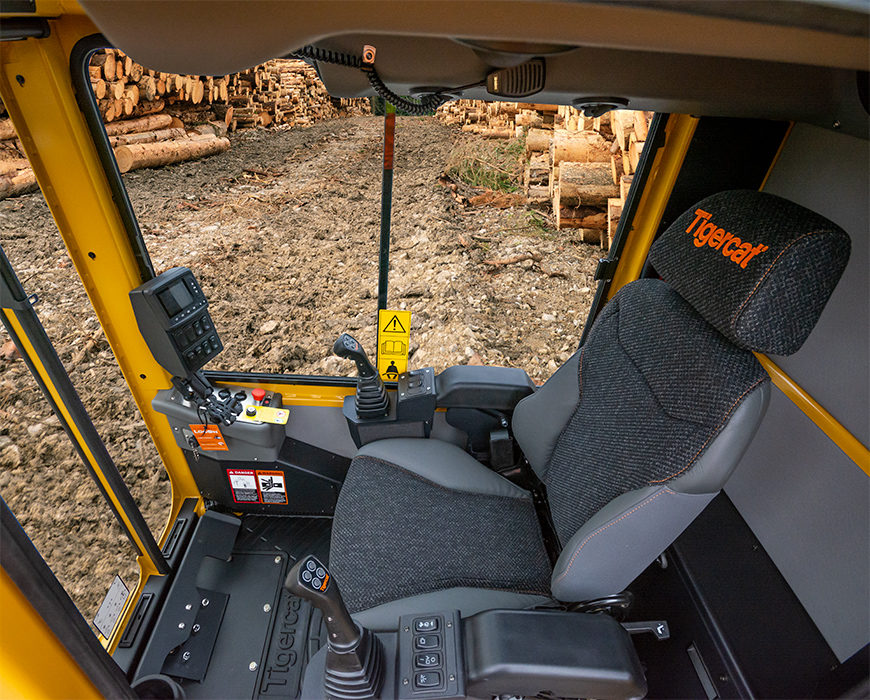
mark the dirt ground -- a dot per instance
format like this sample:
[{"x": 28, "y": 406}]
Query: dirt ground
[{"x": 282, "y": 232}]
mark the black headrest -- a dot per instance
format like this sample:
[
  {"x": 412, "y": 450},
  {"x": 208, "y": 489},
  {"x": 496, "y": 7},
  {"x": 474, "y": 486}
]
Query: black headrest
[{"x": 757, "y": 267}]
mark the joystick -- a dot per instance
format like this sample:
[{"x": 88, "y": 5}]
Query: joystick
[
  {"x": 371, "y": 395},
  {"x": 354, "y": 657}
]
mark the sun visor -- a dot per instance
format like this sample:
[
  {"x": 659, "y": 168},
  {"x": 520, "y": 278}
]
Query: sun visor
[{"x": 199, "y": 38}]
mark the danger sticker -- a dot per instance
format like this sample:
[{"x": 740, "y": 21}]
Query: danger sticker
[
  {"x": 243, "y": 483},
  {"x": 272, "y": 487},
  {"x": 394, "y": 332},
  {"x": 209, "y": 437}
]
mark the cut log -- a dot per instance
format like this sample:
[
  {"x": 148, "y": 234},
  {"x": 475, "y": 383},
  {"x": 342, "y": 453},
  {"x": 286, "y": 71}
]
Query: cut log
[
  {"x": 21, "y": 182},
  {"x": 622, "y": 124},
  {"x": 585, "y": 184},
  {"x": 538, "y": 140},
  {"x": 625, "y": 185},
  {"x": 7, "y": 131},
  {"x": 146, "y": 107},
  {"x": 614, "y": 211},
  {"x": 109, "y": 66},
  {"x": 615, "y": 168},
  {"x": 634, "y": 151},
  {"x": 13, "y": 165},
  {"x": 147, "y": 137},
  {"x": 99, "y": 87},
  {"x": 579, "y": 147},
  {"x": 641, "y": 124},
  {"x": 147, "y": 155},
  {"x": 149, "y": 123}
]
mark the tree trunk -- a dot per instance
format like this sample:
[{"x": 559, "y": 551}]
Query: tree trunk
[
  {"x": 7, "y": 131},
  {"x": 147, "y": 137},
  {"x": 21, "y": 182},
  {"x": 149, "y": 123},
  {"x": 147, "y": 155},
  {"x": 585, "y": 184},
  {"x": 579, "y": 147},
  {"x": 538, "y": 140},
  {"x": 614, "y": 212}
]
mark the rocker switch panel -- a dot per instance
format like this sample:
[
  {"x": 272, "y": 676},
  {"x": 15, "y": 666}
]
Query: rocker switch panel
[{"x": 430, "y": 654}]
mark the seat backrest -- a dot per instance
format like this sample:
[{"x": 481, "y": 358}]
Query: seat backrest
[{"x": 642, "y": 427}]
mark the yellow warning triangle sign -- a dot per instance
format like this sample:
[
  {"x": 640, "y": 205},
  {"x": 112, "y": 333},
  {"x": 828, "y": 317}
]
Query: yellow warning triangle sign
[{"x": 394, "y": 325}]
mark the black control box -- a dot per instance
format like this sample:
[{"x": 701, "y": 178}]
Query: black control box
[
  {"x": 430, "y": 656},
  {"x": 172, "y": 314}
]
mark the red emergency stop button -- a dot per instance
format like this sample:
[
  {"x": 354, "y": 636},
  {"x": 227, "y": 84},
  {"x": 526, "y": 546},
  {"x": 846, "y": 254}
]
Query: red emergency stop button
[{"x": 258, "y": 394}]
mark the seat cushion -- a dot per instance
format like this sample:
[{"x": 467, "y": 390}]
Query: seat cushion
[{"x": 398, "y": 532}]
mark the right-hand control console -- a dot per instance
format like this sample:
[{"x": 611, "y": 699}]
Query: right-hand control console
[{"x": 373, "y": 413}]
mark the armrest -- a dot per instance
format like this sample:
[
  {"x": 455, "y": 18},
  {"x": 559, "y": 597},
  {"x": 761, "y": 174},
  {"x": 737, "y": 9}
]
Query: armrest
[
  {"x": 473, "y": 386},
  {"x": 572, "y": 655}
]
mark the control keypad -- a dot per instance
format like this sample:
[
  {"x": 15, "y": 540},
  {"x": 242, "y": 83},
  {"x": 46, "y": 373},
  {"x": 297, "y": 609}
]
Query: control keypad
[{"x": 429, "y": 656}]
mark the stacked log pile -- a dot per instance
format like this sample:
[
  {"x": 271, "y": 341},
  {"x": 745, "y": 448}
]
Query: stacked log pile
[
  {"x": 579, "y": 166},
  {"x": 154, "y": 118}
]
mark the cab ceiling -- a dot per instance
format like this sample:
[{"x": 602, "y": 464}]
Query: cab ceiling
[{"x": 801, "y": 60}]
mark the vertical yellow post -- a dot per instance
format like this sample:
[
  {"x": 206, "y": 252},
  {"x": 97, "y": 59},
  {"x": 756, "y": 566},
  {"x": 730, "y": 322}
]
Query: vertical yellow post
[{"x": 36, "y": 87}]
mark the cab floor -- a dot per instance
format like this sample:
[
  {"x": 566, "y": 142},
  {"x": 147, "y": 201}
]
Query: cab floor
[{"x": 266, "y": 635}]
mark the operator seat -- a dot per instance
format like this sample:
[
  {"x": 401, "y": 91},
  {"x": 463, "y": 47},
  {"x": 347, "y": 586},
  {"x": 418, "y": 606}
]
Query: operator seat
[{"x": 632, "y": 437}]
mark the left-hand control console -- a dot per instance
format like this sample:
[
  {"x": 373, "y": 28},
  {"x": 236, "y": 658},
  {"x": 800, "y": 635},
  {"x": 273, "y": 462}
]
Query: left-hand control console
[{"x": 172, "y": 313}]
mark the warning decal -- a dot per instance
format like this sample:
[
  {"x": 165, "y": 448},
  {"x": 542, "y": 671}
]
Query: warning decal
[
  {"x": 394, "y": 332},
  {"x": 209, "y": 437},
  {"x": 271, "y": 486},
  {"x": 243, "y": 483}
]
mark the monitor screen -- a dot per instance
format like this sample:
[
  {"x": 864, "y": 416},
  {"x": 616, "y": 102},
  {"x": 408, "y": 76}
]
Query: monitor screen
[{"x": 175, "y": 298}]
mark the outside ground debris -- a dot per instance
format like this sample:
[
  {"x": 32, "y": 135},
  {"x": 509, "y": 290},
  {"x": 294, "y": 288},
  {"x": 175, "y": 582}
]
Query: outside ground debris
[{"x": 282, "y": 232}]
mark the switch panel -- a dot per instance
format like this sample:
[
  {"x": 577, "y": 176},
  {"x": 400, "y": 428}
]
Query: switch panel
[{"x": 430, "y": 654}]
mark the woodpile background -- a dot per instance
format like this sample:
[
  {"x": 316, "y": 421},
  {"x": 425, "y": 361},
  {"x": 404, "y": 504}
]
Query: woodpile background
[
  {"x": 155, "y": 118},
  {"x": 579, "y": 167}
]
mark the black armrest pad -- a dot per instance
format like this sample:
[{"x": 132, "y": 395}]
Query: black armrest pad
[
  {"x": 571, "y": 655},
  {"x": 474, "y": 386}
]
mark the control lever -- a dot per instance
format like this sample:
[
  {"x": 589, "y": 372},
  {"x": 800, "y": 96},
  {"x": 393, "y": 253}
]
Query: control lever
[
  {"x": 349, "y": 348},
  {"x": 354, "y": 657},
  {"x": 371, "y": 395}
]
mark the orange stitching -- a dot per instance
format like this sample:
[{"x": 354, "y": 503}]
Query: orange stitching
[
  {"x": 767, "y": 272},
  {"x": 613, "y": 522},
  {"x": 715, "y": 432}
]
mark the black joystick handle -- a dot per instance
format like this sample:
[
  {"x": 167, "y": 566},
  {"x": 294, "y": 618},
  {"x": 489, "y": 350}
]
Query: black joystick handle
[
  {"x": 311, "y": 580},
  {"x": 348, "y": 347},
  {"x": 371, "y": 399}
]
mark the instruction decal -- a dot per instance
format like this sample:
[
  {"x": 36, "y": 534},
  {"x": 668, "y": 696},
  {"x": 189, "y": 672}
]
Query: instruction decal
[
  {"x": 209, "y": 437},
  {"x": 243, "y": 483},
  {"x": 394, "y": 333},
  {"x": 111, "y": 607},
  {"x": 272, "y": 487}
]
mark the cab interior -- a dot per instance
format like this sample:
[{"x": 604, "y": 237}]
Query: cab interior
[{"x": 469, "y": 534}]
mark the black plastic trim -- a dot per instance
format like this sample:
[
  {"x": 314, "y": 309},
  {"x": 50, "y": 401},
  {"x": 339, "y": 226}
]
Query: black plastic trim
[
  {"x": 46, "y": 353},
  {"x": 33, "y": 577},
  {"x": 19, "y": 28},
  {"x": 78, "y": 66},
  {"x": 258, "y": 378},
  {"x": 655, "y": 140}
]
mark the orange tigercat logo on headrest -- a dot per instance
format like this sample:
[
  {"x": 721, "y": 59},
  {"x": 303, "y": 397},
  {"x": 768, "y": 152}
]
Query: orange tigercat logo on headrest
[{"x": 731, "y": 246}]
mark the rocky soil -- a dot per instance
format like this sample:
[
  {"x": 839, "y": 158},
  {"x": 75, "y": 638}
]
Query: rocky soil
[{"x": 282, "y": 231}]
